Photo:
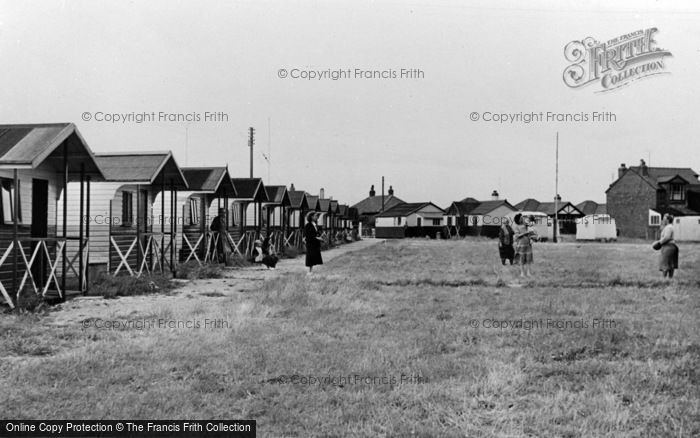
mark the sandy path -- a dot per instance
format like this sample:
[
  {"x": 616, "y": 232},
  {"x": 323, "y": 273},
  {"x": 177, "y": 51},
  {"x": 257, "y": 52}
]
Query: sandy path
[{"x": 235, "y": 281}]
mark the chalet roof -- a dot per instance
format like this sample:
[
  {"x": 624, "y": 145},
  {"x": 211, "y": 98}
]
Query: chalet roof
[
  {"x": 29, "y": 146},
  {"x": 251, "y": 189},
  {"x": 297, "y": 199},
  {"x": 486, "y": 207},
  {"x": 343, "y": 210},
  {"x": 334, "y": 206},
  {"x": 277, "y": 195},
  {"x": 312, "y": 202},
  {"x": 406, "y": 209},
  {"x": 589, "y": 207},
  {"x": 142, "y": 167},
  {"x": 373, "y": 204},
  {"x": 324, "y": 204},
  {"x": 209, "y": 179}
]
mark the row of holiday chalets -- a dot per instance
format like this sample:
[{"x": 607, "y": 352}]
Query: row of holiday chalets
[{"x": 68, "y": 212}]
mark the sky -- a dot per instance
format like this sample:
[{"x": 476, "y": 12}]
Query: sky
[{"x": 82, "y": 62}]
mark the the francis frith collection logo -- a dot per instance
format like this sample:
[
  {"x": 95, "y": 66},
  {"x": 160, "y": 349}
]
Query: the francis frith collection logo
[{"x": 614, "y": 63}]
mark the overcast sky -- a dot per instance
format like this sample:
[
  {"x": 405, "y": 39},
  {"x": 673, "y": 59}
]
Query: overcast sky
[{"x": 64, "y": 58}]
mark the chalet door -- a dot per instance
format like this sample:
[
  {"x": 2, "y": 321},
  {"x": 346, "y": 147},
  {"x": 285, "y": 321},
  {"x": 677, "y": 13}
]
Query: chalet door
[{"x": 40, "y": 227}]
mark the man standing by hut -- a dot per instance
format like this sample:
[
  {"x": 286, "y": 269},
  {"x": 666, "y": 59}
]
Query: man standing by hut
[{"x": 218, "y": 225}]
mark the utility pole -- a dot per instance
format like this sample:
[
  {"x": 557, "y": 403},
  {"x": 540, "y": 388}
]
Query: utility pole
[
  {"x": 251, "y": 142},
  {"x": 555, "y": 236},
  {"x": 382, "y": 193}
]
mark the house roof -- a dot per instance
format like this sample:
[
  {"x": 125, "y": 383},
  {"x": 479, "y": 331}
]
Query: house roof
[
  {"x": 486, "y": 207},
  {"x": 153, "y": 168},
  {"x": 343, "y": 210},
  {"x": 406, "y": 209},
  {"x": 334, "y": 206},
  {"x": 373, "y": 204},
  {"x": 660, "y": 175},
  {"x": 29, "y": 146},
  {"x": 278, "y": 195},
  {"x": 549, "y": 208},
  {"x": 463, "y": 207},
  {"x": 297, "y": 199},
  {"x": 528, "y": 204},
  {"x": 209, "y": 179},
  {"x": 250, "y": 189},
  {"x": 589, "y": 207}
]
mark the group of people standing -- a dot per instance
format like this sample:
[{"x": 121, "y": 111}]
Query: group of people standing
[{"x": 515, "y": 243}]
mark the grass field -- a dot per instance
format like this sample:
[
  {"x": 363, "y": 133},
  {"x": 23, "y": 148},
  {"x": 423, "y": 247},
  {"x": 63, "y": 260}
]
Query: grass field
[{"x": 407, "y": 338}]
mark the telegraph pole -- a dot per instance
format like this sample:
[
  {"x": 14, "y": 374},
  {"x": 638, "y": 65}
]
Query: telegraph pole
[
  {"x": 555, "y": 236},
  {"x": 251, "y": 142}
]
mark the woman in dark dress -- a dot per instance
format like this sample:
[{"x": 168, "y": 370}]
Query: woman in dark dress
[
  {"x": 313, "y": 242},
  {"x": 505, "y": 242}
]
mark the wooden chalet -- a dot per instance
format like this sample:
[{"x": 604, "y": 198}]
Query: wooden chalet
[
  {"x": 297, "y": 212},
  {"x": 209, "y": 189},
  {"x": 276, "y": 214},
  {"x": 37, "y": 162},
  {"x": 247, "y": 213},
  {"x": 126, "y": 236}
]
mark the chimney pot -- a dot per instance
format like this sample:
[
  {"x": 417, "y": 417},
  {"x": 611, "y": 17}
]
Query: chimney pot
[
  {"x": 391, "y": 191},
  {"x": 494, "y": 195},
  {"x": 321, "y": 193},
  {"x": 371, "y": 191},
  {"x": 621, "y": 170}
]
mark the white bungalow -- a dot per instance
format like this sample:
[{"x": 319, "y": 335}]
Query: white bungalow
[{"x": 410, "y": 220}]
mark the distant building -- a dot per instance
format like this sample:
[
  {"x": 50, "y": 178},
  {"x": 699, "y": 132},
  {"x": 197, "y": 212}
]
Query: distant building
[
  {"x": 417, "y": 219},
  {"x": 591, "y": 207},
  {"x": 372, "y": 205},
  {"x": 641, "y": 195},
  {"x": 567, "y": 213},
  {"x": 477, "y": 218}
]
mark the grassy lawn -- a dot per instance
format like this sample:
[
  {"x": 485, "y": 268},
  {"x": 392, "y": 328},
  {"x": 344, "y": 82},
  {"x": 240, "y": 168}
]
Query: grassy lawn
[{"x": 406, "y": 338}]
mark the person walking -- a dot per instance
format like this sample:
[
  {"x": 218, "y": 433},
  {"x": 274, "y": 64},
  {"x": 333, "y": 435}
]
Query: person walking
[
  {"x": 668, "y": 258},
  {"x": 505, "y": 242},
  {"x": 313, "y": 241},
  {"x": 523, "y": 245}
]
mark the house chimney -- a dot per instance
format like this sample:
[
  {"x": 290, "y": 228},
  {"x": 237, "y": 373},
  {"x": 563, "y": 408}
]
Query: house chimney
[
  {"x": 494, "y": 195},
  {"x": 621, "y": 170},
  {"x": 391, "y": 191},
  {"x": 371, "y": 191},
  {"x": 321, "y": 193},
  {"x": 643, "y": 169},
  {"x": 557, "y": 198},
  {"x": 291, "y": 187}
]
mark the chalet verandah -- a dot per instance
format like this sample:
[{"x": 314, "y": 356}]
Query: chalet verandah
[
  {"x": 126, "y": 235},
  {"x": 37, "y": 161}
]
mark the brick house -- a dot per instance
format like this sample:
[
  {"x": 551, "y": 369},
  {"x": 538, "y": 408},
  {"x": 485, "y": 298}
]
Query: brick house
[{"x": 642, "y": 194}]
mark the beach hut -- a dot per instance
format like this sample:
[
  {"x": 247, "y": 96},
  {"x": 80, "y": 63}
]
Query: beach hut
[
  {"x": 125, "y": 235},
  {"x": 37, "y": 162},
  {"x": 196, "y": 208},
  {"x": 596, "y": 227},
  {"x": 247, "y": 213},
  {"x": 298, "y": 206},
  {"x": 275, "y": 212}
]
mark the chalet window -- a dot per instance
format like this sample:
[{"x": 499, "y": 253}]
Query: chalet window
[
  {"x": 7, "y": 192},
  {"x": 449, "y": 221},
  {"x": 398, "y": 221},
  {"x": 127, "y": 209},
  {"x": 194, "y": 211},
  {"x": 677, "y": 193},
  {"x": 437, "y": 222}
]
